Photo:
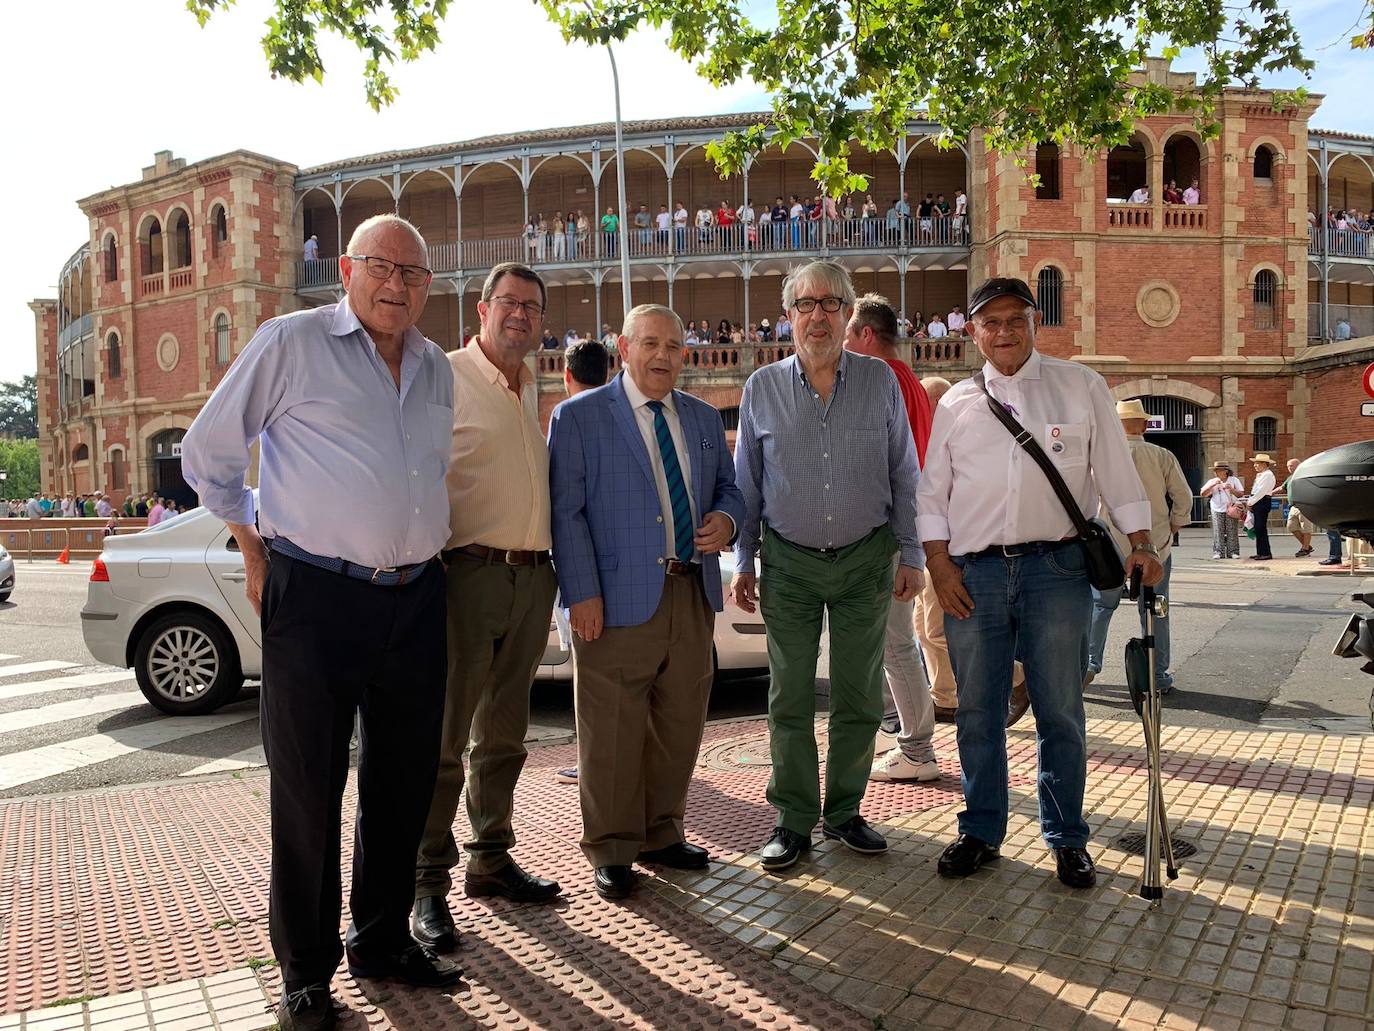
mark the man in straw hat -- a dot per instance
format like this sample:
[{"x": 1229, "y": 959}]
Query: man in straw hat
[
  {"x": 1260, "y": 502},
  {"x": 1171, "y": 502}
]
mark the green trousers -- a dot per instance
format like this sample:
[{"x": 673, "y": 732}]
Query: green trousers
[{"x": 797, "y": 588}]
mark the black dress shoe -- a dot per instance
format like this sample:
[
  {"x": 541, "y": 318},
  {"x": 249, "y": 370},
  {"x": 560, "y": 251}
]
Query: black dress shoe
[
  {"x": 945, "y": 714},
  {"x": 307, "y": 1009},
  {"x": 965, "y": 856},
  {"x": 615, "y": 882},
  {"x": 679, "y": 856},
  {"x": 783, "y": 849},
  {"x": 856, "y": 834},
  {"x": 513, "y": 883},
  {"x": 431, "y": 924},
  {"x": 414, "y": 965},
  {"x": 1075, "y": 867}
]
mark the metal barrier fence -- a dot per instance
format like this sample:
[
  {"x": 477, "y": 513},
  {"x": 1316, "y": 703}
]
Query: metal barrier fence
[{"x": 82, "y": 539}]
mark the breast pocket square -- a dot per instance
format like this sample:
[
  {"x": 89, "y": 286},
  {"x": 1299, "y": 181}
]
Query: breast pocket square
[{"x": 706, "y": 445}]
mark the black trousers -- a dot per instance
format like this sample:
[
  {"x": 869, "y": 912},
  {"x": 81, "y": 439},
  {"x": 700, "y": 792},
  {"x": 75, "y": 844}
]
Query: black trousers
[
  {"x": 1261, "y": 511},
  {"x": 333, "y": 647}
]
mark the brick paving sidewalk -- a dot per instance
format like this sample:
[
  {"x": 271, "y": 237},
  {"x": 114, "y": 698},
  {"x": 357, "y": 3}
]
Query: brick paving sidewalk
[{"x": 146, "y": 908}]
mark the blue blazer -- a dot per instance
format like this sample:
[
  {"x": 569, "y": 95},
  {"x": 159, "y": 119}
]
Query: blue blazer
[{"x": 608, "y": 525}]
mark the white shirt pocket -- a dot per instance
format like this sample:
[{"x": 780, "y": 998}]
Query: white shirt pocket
[{"x": 1067, "y": 443}]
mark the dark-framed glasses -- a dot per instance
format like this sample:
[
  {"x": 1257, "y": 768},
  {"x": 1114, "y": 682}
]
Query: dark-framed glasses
[
  {"x": 532, "y": 309},
  {"x": 382, "y": 268},
  {"x": 1017, "y": 324},
  {"x": 806, "y": 305}
]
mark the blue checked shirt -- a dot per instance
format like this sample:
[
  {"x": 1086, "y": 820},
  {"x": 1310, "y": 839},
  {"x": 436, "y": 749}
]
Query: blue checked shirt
[{"x": 825, "y": 474}]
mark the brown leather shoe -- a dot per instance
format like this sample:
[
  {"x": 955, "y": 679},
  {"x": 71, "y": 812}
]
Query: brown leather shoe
[{"x": 1020, "y": 702}]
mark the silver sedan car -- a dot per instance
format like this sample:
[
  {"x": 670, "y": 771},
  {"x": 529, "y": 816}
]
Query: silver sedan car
[
  {"x": 169, "y": 602},
  {"x": 6, "y": 574}
]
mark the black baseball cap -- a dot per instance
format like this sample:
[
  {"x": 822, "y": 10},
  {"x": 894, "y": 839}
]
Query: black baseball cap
[{"x": 1000, "y": 286}]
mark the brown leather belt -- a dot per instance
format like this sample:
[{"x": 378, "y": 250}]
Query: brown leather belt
[
  {"x": 506, "y": 556},
  {"x": 674, "y": 567}
]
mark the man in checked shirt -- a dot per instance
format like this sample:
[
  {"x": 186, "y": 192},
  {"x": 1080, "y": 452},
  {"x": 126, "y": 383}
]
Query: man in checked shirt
[{"x": 826, "y": 462}]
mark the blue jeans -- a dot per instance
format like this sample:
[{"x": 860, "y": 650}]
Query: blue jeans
[
  {"x": 1104, "y": 606},
  {"x": 1333, "y": 545},
  {"x": 1034, "y": 608}
]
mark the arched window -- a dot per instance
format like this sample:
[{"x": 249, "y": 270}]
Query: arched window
[
  {"x": 1050, "y": 282},
  {"x": 222, "y": 338},
  {"x": 112, "y": 356},
  {"x": 1264, "y": 163},
  {"x": 1182, "y": 164},
  {"x": 150, "y": 248},
  {"x": 181, "y": 241},
  {"x": 1266, "y": 434},
  {"x": 80, "y": 453},
  {"x": 219, "y": 229},
  {"x": 111, "y": 260},
  {"x": 1047, "y": 168},
  {"x": 117, "y": 469},
  {"x": 1127, "y": 169},
  {"x": 1266, "y": 292}
]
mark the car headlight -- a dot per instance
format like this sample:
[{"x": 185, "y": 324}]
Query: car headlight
[{"x": 3, "y": 553}]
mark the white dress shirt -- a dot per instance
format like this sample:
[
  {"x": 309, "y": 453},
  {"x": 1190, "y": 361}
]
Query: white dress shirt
[
  {"x": 979, "y": 487},
  {"x": 936, "y": 329},
  {"x": 1262, "y": 487},
  {"x": 644, "y": 417}
]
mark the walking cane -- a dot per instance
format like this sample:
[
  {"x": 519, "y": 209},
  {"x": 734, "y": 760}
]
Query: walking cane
[{"x": 1140, "y": 679}]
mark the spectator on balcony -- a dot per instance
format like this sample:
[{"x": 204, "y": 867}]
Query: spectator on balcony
[
  {"x": 784, "y": 328},
  {"x": 1191, "y": 196},
  {"x": 610, "y": 232},
  {"x": 957, "y": 321},
  {"x": 723, "y": 332},
  {"x": 765, "y": 332},
  {"x": 559, "y": 228},
  {"x": 796, "y": 215},
  {"x": 903, "y": 206},
  {"x": 570, "y": 337},
  {"x": 532, "y": 238},
  {"x": 736, "y": 335},
  {"x": 1342, "y": 330},
  {"x": 542, "y": 238},
  {"x": 680, "y": 219},
  {"x": 765, "y": 227},
  {"x": 702, "y": 221},
  {"x": 312, "y": 249},
  {"x": 744, "y": 215},
  {"x": 937, "y": 328},
  {"x": 894, "y": 223},
  {"x": 548, "y": 341},
  {"x": 926, "y": 214},
  {"x": 643, "y": 223},
  {"x": 689, "y": 336},
  {"x": 778, "y": 217},
  {"x": 584, "y": 234},
  {"x": 725, "y": 225},
  {"x": 1141, "y": 195},
  {"x": 1172, "y": 194},
  {"x": 663, "y": 222},
  {"x": 608, "y": 336},
  {"x": 960, "y": 204}
]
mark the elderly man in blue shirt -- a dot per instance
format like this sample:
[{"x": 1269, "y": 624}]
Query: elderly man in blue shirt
[
  {"x": 827, "y": 465},
  {"x": 354, "y": 411}
]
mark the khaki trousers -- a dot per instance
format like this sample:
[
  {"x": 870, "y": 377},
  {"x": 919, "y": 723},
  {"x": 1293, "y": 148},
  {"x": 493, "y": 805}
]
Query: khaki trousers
[
  {"x": 498, "y": 628},
  {"x": 930, "y": 630},
  {"x": 641, "y": 694}
]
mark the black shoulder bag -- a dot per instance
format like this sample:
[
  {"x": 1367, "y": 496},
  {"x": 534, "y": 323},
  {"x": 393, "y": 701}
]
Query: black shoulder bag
[{"x": 1106, "y": 571}]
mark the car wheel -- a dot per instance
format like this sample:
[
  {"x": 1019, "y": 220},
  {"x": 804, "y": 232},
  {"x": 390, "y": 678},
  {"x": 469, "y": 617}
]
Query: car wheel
[
  {"x": 4, "y": 597},
  {"x": 187, "y": 665}
]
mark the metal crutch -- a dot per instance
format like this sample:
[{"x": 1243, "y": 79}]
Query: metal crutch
[{"x": 1140, "y": 665}]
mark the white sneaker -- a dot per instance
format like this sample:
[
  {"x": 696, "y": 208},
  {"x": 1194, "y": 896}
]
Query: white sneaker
[
  {"x": 896, "y": 766},
  {"x": 1216, "y": 554}
]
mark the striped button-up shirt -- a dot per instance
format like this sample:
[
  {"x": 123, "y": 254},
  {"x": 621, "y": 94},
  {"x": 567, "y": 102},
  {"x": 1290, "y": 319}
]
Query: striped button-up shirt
[
  {"x": 351, "y": 467},
  {"x": 825, "y": 473}
]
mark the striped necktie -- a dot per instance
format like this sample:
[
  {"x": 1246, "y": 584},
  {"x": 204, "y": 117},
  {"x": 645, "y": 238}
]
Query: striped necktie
[{"x": 677, "y": 487}]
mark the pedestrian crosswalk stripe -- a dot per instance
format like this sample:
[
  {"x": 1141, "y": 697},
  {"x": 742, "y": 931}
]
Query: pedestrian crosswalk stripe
[
  {"x": 44, "y": 666},
  {"x": 244, "y": 760},
  {"x": 43, "y": 715},
  {"x": 36, "y": 764},
  {"x": 4, "y": 657},
  {"x": 28, "y": 687}
]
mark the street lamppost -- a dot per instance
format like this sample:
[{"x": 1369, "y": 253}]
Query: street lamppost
[{"x": 620, "y": 191}]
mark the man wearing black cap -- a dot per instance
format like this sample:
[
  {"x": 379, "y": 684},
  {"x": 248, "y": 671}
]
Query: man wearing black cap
[{"x": 1009, "y": 573}]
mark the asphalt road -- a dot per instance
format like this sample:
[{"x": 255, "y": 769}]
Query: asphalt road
[{"x": 1251, "y": 648}]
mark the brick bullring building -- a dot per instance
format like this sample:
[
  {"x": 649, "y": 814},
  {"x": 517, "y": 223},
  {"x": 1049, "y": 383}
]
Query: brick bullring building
[{"x": 1241, "y": 325}]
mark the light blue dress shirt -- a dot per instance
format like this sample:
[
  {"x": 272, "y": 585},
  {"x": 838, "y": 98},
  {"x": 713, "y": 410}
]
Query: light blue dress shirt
[
  {"x": 350, "y": 467},
  {"x": 824, "y": 474}
]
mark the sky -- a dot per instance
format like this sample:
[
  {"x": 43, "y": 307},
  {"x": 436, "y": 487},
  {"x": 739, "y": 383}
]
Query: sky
[{"x": 95, "y": 87}]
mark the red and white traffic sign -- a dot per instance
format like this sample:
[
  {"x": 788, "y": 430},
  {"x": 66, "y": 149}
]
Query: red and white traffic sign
[{"x": 1368, "y": 379}]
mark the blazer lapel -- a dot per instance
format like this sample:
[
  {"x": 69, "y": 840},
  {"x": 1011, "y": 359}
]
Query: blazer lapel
[{"x": 625, "y": 419}]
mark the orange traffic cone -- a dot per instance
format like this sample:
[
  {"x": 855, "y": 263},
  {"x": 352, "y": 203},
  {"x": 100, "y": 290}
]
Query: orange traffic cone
[{"x": 65, "y": 557}]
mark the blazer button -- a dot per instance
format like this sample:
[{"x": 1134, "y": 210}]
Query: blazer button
[
  {"x": 660, "y": 560},
  {"x": 660, "y": 519}
]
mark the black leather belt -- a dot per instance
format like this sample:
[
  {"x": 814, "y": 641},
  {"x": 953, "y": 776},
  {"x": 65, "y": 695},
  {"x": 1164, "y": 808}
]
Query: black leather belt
[
  {"x": 509, "y": 557},
  {"x": 674, "y": 567},
  {"x": 382, "y": 576},
  {"x": 1021, "y": 550}
]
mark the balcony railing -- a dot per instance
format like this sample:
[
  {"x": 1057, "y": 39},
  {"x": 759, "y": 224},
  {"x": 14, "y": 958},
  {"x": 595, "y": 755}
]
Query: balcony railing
[
  {"x": 825, "y": 236},
  {"x": 1129, "y": 216},
  {"x": 1341, "y": 243},
  {"x": 74, "y": 331},
  {"x": 943, "y": 352},
  {"x": 1186, "y": 218},
  {"x": 180, "y": 278},
  {"x": 1345, "y": 321},
  {"x": 151, "y": 285}
]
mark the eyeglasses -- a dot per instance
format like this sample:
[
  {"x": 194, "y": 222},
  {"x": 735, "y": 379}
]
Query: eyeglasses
[
  {"x": 1016, "y": 324},
  {"x": 806, "y": 305},
  {"x": 532, "y": 309},
  {"x": 381, "y": 268}
]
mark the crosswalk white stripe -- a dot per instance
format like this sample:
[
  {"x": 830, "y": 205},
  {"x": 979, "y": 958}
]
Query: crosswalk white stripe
[
  {"x": 44, "y": 666},
  {"x": 43, "y": 715},
  {"x": 4, "y": 657},
  {"x": 28, "y": 687},
  {"x": 50, "y": 760},
  {"x": 247, "y": 759}
]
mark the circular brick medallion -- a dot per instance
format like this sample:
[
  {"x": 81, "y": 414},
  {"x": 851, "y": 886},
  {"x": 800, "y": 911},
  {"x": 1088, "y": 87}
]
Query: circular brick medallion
[
  {"x": 168, "y": 353},
  {"x": 1157, "y": 303}
]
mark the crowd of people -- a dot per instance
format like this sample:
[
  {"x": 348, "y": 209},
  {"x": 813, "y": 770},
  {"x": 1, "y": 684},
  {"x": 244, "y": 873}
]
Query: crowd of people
[
  {"x": 153, "y": 507},
  {"x": 1233, "y": 508},
  {"x": 1348, "y": 231},
  {"x": 849, "y": 496},
  {"x": 792, "y": 223}
]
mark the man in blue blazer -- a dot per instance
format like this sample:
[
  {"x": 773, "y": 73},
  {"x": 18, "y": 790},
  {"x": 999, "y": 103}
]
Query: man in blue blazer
[{"x": 643, "y": 500}]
